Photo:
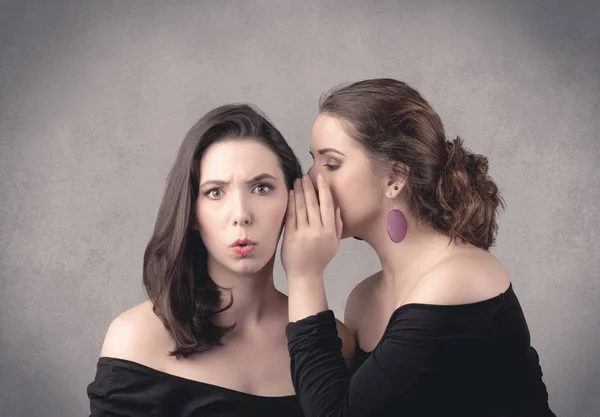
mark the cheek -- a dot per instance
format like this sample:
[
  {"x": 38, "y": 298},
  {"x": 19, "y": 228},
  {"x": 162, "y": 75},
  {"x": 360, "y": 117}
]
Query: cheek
[
  {"x": 345, "y": 190},
  {"x": 208, "y": 223},
  {"x": 354, "y": 195},
  {"x": 346, "y": 199},
  {"x": 274, "y": 213}
]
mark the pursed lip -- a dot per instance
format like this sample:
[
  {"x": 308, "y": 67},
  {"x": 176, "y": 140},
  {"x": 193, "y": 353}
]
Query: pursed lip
[{"x": 242, "y": 242}]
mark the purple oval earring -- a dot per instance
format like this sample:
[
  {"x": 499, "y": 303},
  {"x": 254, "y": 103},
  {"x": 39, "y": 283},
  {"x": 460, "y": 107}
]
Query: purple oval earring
[{"x": 396, "y": 224}]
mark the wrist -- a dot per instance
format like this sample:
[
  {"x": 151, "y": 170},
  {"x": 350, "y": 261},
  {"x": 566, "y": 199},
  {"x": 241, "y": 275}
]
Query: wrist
[
  {"x": 306, "y": 296},
  {"x": 304, "y": 277}
]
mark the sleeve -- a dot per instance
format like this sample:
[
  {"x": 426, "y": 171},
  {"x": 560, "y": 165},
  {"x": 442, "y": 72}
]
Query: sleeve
[
  {"x": 404, "y": 360},
  {"x": 116, "y": 392}
]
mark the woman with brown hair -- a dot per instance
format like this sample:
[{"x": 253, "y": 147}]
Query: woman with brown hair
[
  {"x": 439, "y": 329},
  {"x": 210, "y": 340}
]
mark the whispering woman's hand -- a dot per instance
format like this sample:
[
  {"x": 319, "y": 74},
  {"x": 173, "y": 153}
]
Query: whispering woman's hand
[
  {"x": 312, "y": 230},
  {"x": 311, "y": 239}
]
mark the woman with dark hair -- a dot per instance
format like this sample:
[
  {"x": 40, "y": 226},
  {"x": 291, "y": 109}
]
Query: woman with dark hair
[
  {"x": 210, "y": 340},
  {"x": 439, "y": 329}
]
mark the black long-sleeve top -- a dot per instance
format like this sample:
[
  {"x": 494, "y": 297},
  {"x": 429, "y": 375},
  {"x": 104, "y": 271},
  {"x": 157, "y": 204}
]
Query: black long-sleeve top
[{"x": 433, "y": 360}]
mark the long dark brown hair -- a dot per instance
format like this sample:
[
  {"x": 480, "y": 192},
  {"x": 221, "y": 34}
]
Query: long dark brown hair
[
  {"x": 175, "y": 273},
  {"x": 447, "y": 186}
]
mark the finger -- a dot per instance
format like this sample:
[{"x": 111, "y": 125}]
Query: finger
[
  {"x": 326, "y": 206},
  {"x": 339, "y": 225},
  {"x": 312, "y": 205},
  {"x": 290, "y": 216},
  {"x": 301, "y": 219}
]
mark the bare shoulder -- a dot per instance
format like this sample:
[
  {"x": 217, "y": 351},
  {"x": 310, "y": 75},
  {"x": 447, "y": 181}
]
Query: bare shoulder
[
  {"x": 137, "y": 335},
  {"x": 468, "y": 276},
  {"x": 362, "y": 293}
]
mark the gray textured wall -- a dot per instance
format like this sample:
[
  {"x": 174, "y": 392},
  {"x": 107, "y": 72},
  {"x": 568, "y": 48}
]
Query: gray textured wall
[{"x": 96, "y": 97}]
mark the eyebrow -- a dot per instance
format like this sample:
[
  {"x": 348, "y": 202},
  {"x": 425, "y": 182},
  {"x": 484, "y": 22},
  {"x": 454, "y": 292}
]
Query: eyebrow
[
  {"x": 255, "y": 179},
  {"x": 327, "y": 150}
]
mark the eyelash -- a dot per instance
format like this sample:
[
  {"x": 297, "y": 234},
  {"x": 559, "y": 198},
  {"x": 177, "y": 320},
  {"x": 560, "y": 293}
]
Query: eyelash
[
  {"x": 331, "y": 167},
  {"x": 208, "y": 193},
  {"x": 268, "y": 186}
]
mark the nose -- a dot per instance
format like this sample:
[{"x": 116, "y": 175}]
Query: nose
[{"x": 241, "y": 213}]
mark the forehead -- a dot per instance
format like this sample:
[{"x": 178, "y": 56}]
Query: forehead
[
  {"x": 238, "y": 157},
  {"x": 328, "y": 131}
]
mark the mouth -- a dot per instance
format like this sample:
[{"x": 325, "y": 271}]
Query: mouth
[{"x": 243, "y": 247}]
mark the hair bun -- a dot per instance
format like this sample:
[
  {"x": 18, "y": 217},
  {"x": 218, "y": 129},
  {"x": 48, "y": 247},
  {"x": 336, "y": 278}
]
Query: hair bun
[
  {"x": 468, "y": 196},
  {"x": 460, "y": 159}
]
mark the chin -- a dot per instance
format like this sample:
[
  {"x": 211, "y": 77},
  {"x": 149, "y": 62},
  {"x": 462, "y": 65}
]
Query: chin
[{"x": 248, "y": 266}]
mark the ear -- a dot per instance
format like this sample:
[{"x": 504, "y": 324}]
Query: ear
[{"x": 396, "y": 180}]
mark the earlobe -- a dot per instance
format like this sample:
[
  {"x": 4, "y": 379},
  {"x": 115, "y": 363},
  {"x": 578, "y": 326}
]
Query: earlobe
[
  {"x": 394, "y": 189},
  {"x": 396, "y": 180}
]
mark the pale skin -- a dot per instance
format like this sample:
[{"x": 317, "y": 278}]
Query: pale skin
[
  {"x": 424, "y": 268},
  {"x": 242, "y": 193}
]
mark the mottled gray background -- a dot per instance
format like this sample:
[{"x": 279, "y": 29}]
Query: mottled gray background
[{"x": 96, "y": 97}]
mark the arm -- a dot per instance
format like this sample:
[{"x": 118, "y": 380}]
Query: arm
[
  {"x": 301, "y": 303},
  {"x": 403, "y": 362}
]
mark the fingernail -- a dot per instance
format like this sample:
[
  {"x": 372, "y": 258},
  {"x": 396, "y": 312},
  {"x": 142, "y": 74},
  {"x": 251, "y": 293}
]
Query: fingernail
[
  {"x": 306, "y": 179},
  {"x": 320, "y": 177}
]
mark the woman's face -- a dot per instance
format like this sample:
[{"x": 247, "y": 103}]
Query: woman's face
[
  {"x": 241, "y": 204},
  {"x": 356, "y": 189}
]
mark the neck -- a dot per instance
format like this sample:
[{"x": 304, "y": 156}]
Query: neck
[
  {"x": 254, "y": 295},
  {"x": 404, "y": 263}
]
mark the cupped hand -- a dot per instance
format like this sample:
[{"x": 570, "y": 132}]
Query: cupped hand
[{"x": 313, "y": 229}]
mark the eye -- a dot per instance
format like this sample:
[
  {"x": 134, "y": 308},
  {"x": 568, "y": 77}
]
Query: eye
[
  {"x": 263, "y": 188},
  {"x": 214, "y": 194},
  {"x": 331, "y": 167}
]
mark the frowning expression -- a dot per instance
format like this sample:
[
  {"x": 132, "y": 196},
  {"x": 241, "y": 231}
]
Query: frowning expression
[{"x": 241, "y": 204}]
